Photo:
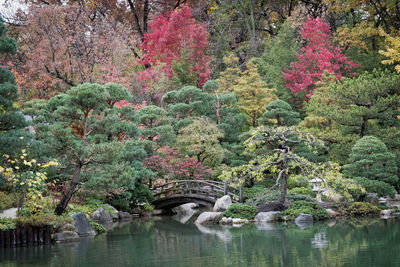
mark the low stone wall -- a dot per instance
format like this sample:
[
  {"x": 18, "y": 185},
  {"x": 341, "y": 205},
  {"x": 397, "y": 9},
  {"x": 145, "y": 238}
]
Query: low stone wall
[{"x": 25, "y": 236}]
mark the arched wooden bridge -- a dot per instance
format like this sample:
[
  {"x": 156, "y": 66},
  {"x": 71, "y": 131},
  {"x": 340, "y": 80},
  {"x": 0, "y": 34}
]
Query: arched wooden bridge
[{"x": 203, "y": 192}]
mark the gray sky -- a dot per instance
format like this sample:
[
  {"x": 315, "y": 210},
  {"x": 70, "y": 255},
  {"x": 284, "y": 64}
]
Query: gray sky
[{"x": 8, "y": 11}]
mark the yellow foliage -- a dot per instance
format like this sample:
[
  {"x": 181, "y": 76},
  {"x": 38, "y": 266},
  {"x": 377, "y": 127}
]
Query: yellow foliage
[
  {"x": 392, "y": 51},
  {"x": 356, "y": 36},
  {"x": 252, "y": 92}
]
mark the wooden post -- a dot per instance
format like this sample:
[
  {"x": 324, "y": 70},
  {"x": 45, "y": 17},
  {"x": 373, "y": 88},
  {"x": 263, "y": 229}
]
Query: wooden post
[
  {"x": 241, "y": 193},
  {"x": 23, "y": 236},
  {"x": 47, "y": 234},
  {"x": 29, "y": 236},
  {"x": 226, "y": 188}
]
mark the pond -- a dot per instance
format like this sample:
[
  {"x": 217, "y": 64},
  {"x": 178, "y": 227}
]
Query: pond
[{"x": 168, "y": 243}]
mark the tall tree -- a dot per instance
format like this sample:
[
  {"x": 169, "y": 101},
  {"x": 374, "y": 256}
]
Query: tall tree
[
  {"x": 279, "y": 52},
  {"x": 317, "y": 56},
  {"x": 200, "y": 140},
  {"x": 84, "y": 131},
  {"x": 177, "y": 43},
  {"x": 12, "y": 121},
  {"x": 64, "y": 45},
  {"x": 251, "y": 91},
  {"x": 354, "y": 102}
]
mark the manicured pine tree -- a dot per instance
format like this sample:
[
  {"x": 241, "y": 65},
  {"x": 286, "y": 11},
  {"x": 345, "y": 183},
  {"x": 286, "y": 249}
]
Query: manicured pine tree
[
  {"x": 279, "y": 113},
  {"x": 84, "y": 130},
  {"x": 373, "y": 166}
]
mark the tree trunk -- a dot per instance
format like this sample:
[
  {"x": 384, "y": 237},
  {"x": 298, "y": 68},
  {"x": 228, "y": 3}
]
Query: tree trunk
[
  {"x": 284, "y": 183},
  {"x": 283, "y": 188},
  {"x": 62, "y": 205},
  {"x": 364, "y": 125}
]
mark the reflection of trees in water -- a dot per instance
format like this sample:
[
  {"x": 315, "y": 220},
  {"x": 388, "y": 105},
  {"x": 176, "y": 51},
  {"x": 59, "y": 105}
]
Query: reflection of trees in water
[{"x": 168, "y": 243}]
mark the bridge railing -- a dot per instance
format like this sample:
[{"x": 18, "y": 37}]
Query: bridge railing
[{"x": 208, "y": 188}]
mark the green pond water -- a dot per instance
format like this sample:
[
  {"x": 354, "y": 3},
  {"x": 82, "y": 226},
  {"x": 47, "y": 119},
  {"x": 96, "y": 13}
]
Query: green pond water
[{"x": 168, "y": 243}]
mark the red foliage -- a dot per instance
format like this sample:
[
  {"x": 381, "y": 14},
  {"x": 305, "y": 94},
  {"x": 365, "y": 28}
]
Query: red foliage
[
  {"x": 174, "y": 165},
  {"x": 317, "y": 56},
  {"x": 171, "y": 37}
]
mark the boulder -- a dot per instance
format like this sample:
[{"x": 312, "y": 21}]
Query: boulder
[
  {"x": 225, "y": 221},
  {"x": 332, "y": 213},
  {"x": 304, "y": 221},
  {"x": 82, "y": 225},
  {"x": 101, "y": 215},
  {"x": 239, "y": 221},
  {"x": 9, "y": 213},
  {"x": 124, "y": 216},
  {"x": 222, "y": 203},
  {"x": 113, "y": 213},
  {"x": 185, "y": 209},
  {"x": 209, "y": 217},
  {"x": 270, "y": 216},
  {"x": 386, "y": 213},
  {"x": 303, "y": 217},
  {"x": 68, "y": 227},
  {"x": 183, "y": 218},
  {"x": 65, "y": 236}
]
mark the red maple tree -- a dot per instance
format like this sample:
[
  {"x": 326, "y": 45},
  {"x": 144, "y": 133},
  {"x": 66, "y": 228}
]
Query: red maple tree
[
  {"x": 170, "y": 41},
  {"x": 174, "y": 165},
  {"x": 317, "y": 56}
]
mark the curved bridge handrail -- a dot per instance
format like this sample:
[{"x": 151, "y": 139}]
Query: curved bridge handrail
[
  {"x": 210, "y": 182},
  {"x": 207, "y": 188}
]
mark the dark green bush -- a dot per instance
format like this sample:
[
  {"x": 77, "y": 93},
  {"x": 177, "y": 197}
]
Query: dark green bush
[
  {"x": 269, "y": 195},
  {"x": 120, "y": 204},
  {"x": 251, "y": 192},
  {"x": 363, "y": 209},
  {"x": 307, "y": 191},
  {"x": 311, "y": 208},
  {"x": 241, "y": 211},
  {"x": 7, "y": 223}
]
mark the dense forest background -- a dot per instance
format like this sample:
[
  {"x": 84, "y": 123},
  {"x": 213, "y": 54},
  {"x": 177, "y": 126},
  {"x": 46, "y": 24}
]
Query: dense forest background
[{"x": 126, "y": 94}]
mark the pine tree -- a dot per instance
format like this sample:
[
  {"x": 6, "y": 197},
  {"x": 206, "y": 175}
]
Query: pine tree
[
  {"x": 279, "y": 52},
  {"x": 279, "y": 113},
  {"x": 373, "y": 166},
  {"x": 12, "y": 122}
]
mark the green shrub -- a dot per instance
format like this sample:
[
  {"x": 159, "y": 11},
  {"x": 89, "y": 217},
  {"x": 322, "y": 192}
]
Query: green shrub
[
  {"x": 297, "y": 197},
  {"x": 97, "y": 227},
  {"x": 120, "y": 204},
  {"x": 241, "y": 211},
  {"x": 37, "y": 206},
  {"x": 147, "y": 207},
  {"x": 251, "y": 192},
  {"x": 44, "y": 219},
  {"x": 7, "y": 223},
  {"x": 269, "y": 195},
  {"x": 311, "y": 208},
  {"x": 307, "y": 191},
  {"x": 297, "y": 181},
  {"x": 7, "y": 201},
  {"x": 363, "y": 209}
]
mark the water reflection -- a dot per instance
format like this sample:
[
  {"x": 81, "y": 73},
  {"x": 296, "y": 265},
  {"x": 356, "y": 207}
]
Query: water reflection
[
  {"x": 221, "y": 232},
  {"x": 168, "y": 243},
  {"x": 319, "y": 240}
]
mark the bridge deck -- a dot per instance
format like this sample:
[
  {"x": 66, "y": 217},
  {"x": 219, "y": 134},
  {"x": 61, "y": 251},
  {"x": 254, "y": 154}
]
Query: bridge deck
[{"x": 204, "y": 192}]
